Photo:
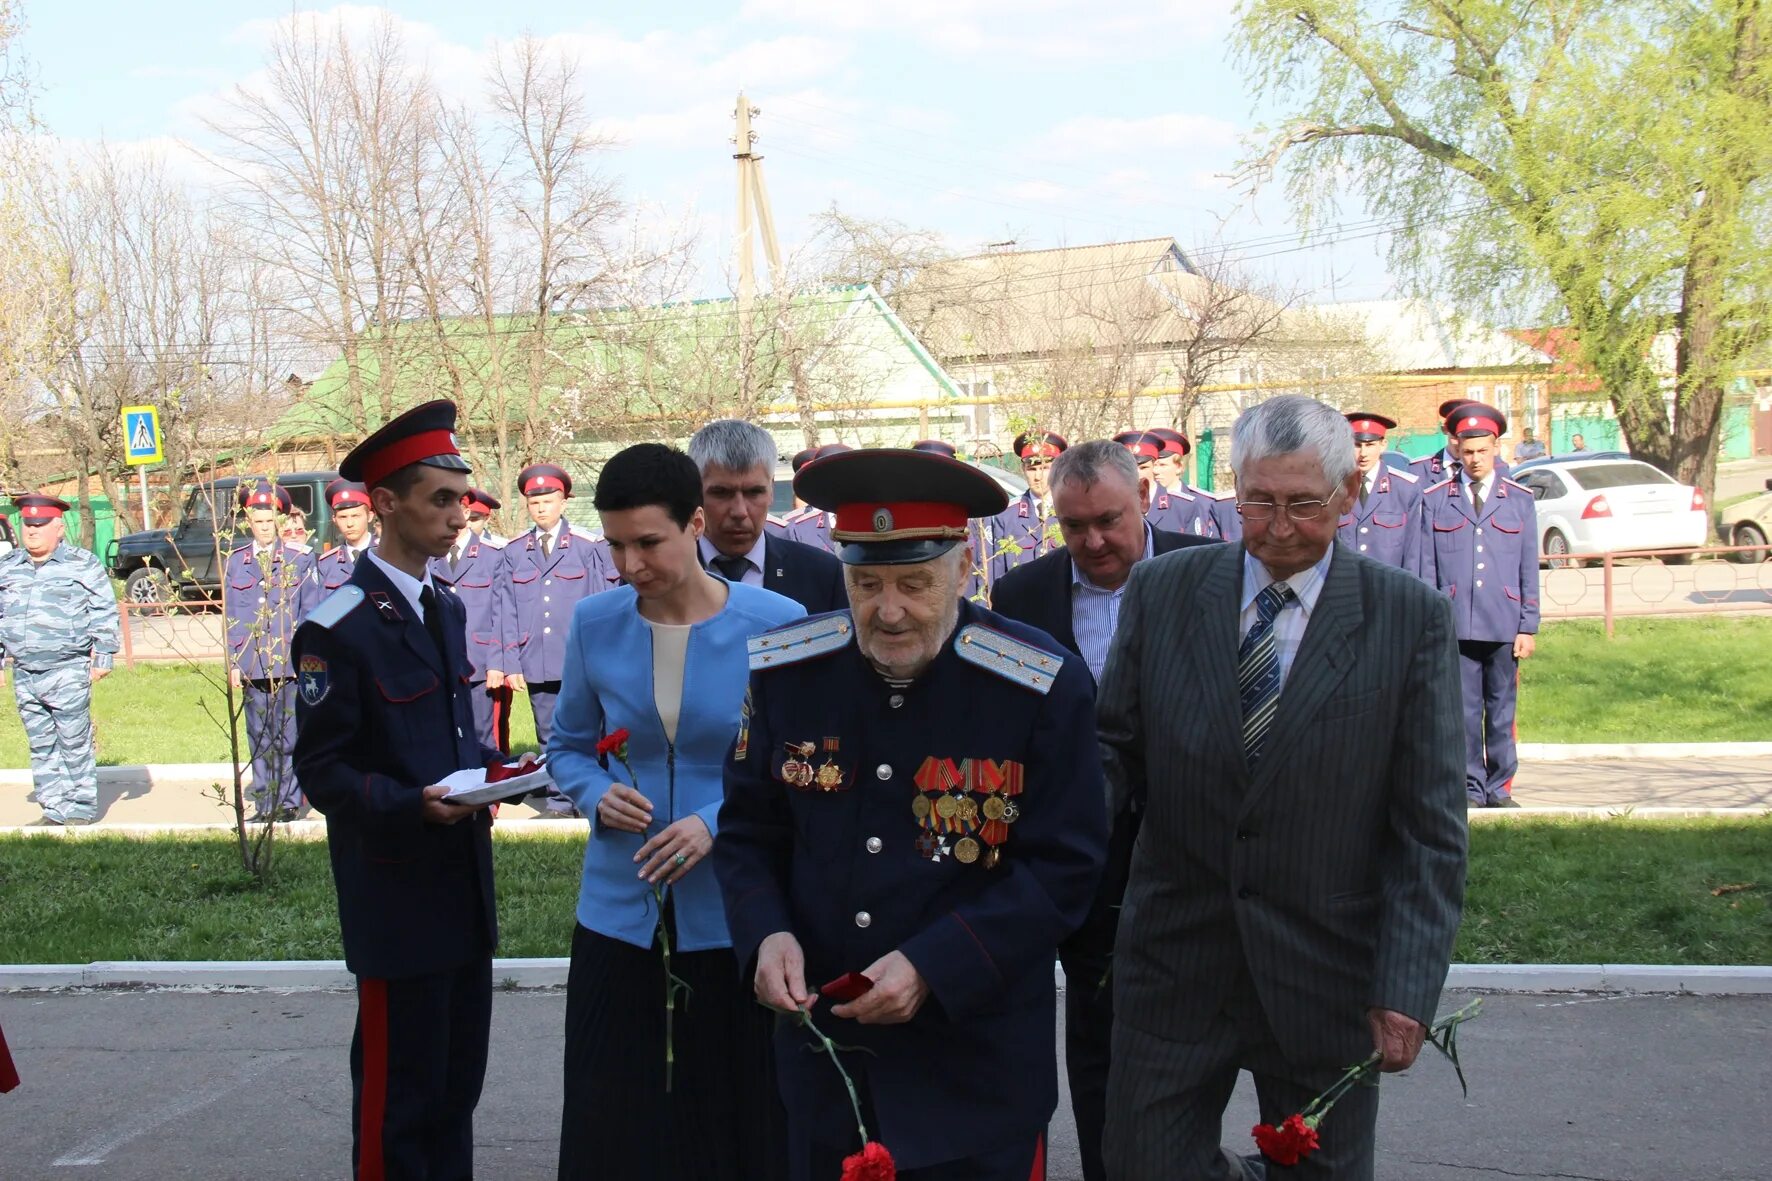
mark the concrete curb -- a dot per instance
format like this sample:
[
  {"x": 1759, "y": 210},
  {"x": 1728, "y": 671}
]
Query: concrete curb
[
  {"x": 1570, "y": 752},
  {"x": 1727, "y": 980},
  {"x": 154, "y": 773}
]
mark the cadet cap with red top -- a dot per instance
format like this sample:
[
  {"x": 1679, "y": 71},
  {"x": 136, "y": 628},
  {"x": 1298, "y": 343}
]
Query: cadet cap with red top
[
  {"x": 264, "y": 494},
  {"x": 898, "y": 507},
  {"x": 1174, "y": 442},
  {"x": 1369, "y": 427},
  {"x": 425, "y": 434},
  {"x": 478, "y": 500},
  {"x": 343, "y": 493},
  {"x": 35, "y": 508},
  {"x": 1473, "y": 418},
  {"x": 538, "y": 479},
  {"x": 1039, "y": 445}
]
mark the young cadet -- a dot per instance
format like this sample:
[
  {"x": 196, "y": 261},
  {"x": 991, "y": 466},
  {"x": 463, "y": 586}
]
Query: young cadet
[
  {"x": 1380, "y": 521},
  {"x": 1178, "y": 512},
  {"x": 1026, "y": 528},
  {"x": 468, "y": 572},
  {"x": 812, "y": 526},
  {"x": 350, "y": 516},
  {"x": 384, "y": 718}
]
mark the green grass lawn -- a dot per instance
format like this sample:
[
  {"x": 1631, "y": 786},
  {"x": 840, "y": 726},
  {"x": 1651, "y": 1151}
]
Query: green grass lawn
[
  {"x": 155, "y": 713},
  {"x": 1659, "y": 680},
  {"x": 1541, "y": 891}
]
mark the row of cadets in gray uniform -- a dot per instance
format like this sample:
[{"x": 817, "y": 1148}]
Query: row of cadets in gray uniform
[
  {"x": 469, "y": 571},
  {"x": 1180, "y": 511},
  {"x": 58, "y": 627},
  {"x": 268, "y": 585},
  {"x": 542, "y": 576},
  {"x": 1169, "y": 469}
]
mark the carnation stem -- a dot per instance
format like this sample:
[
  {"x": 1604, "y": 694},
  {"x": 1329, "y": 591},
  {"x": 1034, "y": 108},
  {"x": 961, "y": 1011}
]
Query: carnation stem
[{"x": 830, "y": 1048}]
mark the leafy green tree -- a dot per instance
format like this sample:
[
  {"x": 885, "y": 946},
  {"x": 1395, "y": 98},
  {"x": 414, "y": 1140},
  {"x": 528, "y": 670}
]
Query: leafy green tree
[{"x": 1601, "y": 164}]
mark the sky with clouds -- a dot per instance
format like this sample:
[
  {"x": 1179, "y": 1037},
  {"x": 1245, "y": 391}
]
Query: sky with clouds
[{"x": 1049, "y": 122}]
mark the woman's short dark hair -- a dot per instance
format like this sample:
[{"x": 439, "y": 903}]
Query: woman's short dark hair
[{"x": 650, "y": 473}]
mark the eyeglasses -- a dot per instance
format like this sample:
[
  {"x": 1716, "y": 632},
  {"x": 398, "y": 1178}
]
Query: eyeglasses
[{"x": 1298, "y": 510}]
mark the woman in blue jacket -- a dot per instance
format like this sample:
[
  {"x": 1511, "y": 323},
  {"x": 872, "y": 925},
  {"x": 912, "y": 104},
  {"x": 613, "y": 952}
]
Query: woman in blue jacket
[{"x": 664, "y": 659}]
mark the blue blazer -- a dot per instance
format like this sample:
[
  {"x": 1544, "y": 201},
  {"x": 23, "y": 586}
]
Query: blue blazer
[{"x": 607, "y": 686}]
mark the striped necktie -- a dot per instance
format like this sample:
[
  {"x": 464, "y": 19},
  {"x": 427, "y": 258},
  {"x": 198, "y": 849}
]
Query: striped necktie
[{"x": 1258, "y": 669}]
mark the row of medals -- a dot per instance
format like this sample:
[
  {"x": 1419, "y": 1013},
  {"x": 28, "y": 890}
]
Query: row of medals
[
  {"x": 798, "y": 772},
  {"x": 963, "y": 812}
]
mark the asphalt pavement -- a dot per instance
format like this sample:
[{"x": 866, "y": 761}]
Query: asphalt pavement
[{"x": 149, "y": 1086}]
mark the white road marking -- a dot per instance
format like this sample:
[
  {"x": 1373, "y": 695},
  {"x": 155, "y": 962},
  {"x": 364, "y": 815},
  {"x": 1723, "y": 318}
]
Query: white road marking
[{"x": 95, "y": 1149}]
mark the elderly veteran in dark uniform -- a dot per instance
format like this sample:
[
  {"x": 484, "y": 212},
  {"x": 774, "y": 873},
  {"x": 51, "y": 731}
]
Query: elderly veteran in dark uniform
[
  {"x": 1477, "y": 540},
  {"x": 469, "y": 571},
  {"x": 384, "y": 718},
  {"x": 913, "y": 797},
  {"x": 267, "y": 586},
  {"x": 351, "y": 516},
  {"x": 1380, "y": 519}
]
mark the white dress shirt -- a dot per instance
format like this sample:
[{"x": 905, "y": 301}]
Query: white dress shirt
[
  {"x": 753, "y": 572},
  {"x": 1095, "y": 613},
  {"x": 408, "y": 586},
  {"x": 1290, "y": 623}
]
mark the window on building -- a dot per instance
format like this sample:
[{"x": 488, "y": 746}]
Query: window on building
[
  {"x": 1530, "y": 411},
  {"x": 1474, "y": 392},
  {"x": 1504, "y": 399}
]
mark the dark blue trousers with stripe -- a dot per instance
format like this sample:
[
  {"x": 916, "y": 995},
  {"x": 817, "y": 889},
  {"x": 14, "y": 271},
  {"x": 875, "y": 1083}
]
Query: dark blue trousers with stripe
[{"x": 418, "y": 1059}]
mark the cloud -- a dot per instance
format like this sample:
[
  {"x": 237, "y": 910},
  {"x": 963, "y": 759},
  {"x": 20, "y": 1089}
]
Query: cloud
[
  {"x": 1091, "y": 136},
  {"x": 1052, "y": 31}
]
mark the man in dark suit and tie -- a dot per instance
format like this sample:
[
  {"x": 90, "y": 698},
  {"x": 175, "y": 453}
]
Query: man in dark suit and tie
[
  {"x": 737, "y": 462},
  {"x": 1286, "y": 716},
  {"x": 1074, "y": 595}
]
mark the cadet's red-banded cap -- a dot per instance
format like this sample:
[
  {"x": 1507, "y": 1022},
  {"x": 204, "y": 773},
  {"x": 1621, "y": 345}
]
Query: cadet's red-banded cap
[
  {"x": 1369, "y": 427},
  {"x": 935, "y": 447},
  {"x": 830, "y": 449},
  {"x": 35, "y": 508},
  {"x": 343, "y": 493},
  {"x": 264, "y": 494},
  {"x": 1474, "y": 418},
  {"x": 1174, "y": 442},
  {"x": 895, "y": 506},
  {"x": 802, "y": 458},
  {"x": 425, "y": 434},
  {"x": 478, "y": 500},
  {"x": 540, "y": 478},
  {"x": 1451, "y": 404},
  {"x": 1040, "y": 445},
  {"x": 1145, "y": 447}
]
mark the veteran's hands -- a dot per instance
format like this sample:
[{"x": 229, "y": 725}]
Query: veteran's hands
[
  {"x": 899, "y": 991},
  {"x": 780, "y": 981},
  {"x": 675, "y": 851},
  {"x": 1396, "y": 1037}
]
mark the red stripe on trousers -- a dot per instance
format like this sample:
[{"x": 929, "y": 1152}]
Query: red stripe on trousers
[
  {"x": 372, "y": 1013},
  {"x": 1038, "y": 1172},
  {"x": 501, "y": 720}
]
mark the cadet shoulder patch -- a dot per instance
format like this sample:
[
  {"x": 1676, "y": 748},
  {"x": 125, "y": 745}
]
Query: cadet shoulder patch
[
  {"x": 493, "y": 542},
  {"x": 1403, "y": 474},
  {"x": 336, "y": 606},
  {"x": 1012, "y": 659},
  {"x": 801, "y": 640},
  {"x": 587, "y": 534},
  {"x": 1440, "y": 485},
  {"x": 1516, "y": 484}
]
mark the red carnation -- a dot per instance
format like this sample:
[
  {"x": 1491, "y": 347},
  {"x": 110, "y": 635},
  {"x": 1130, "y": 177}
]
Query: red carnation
[
  {"x": 1287, "y": 1144},
  {"x": 872, "y": 1163},
  {"x": 612, "y": 745}
]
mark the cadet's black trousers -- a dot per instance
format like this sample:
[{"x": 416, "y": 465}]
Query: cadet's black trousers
[{"x": 417, "y": 1061}]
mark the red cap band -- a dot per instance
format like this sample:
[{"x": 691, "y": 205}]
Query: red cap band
[
  {"x": 1475, "y": 422},
  {"x": 898, "y": 520},
  {"x": 39, "y": 514},
  {"x": 348, "y": 497},
  {"x": 476, "y": 506},
  {"x": 536, "y": 485},
  {"x": 1365, "y": 426},
  {"x": 1144, "y": 449},
  {"x": 263, "y": 498},
  {"x": 1041, "y": 450},
  {"x": 412, "y": 449}
]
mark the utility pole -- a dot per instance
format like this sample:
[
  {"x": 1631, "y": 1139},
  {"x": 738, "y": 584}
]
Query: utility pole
[{"x": 755, "y": 220}]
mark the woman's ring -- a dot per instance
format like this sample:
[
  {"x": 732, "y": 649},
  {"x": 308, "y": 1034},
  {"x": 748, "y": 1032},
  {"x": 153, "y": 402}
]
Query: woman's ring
[{"x": 680, "y": 859}]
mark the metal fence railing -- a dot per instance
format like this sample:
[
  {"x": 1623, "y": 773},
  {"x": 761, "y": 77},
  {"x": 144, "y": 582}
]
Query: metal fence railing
[
  {"x": 172, "y": 630},
  {"x": 1720, "y": 579}
]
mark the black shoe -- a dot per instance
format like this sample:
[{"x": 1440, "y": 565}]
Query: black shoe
[
  {"x": 77, "y": 821},
  {"x": 285, "y": 815},
  {"x": 261, "y": 818},
  {"x": 45, "y": 822},
  {"x": 1506, "y": 802}
]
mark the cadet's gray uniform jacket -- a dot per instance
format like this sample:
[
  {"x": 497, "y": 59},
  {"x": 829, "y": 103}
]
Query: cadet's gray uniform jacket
[
  {"x": 61, "y": 612},
  {"x": 1335, "y": 871}
]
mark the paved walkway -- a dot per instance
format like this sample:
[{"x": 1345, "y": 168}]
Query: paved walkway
[
  {"x": 181, "y": 794},
  {"x": 120, "y": 1086}
]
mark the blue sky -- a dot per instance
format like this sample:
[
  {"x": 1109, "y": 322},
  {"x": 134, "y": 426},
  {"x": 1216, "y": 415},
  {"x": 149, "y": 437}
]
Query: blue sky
[{"x": 1046, "y": 121}]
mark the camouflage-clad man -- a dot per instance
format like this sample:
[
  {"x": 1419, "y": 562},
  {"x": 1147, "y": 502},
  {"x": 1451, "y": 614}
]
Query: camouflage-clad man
[{"x": 58, "y": 626}]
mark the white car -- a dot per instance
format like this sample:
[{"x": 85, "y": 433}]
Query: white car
[{"x": 1596, "y": 504}]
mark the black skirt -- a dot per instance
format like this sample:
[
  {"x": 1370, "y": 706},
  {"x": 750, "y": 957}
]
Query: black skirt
[{"x": 722, "y": 1119}]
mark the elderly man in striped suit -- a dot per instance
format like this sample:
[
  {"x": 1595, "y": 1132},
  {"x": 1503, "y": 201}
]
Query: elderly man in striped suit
[{"x": 1286, "y": 716}]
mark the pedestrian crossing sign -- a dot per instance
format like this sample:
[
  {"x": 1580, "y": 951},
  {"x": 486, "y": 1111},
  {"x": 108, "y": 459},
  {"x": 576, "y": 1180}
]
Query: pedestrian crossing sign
[{"x": 141, "y": 435}]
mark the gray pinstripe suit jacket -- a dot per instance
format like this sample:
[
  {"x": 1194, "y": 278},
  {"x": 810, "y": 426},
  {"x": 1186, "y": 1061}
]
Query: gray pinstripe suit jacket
[{"x": 1335, "y": 872}]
